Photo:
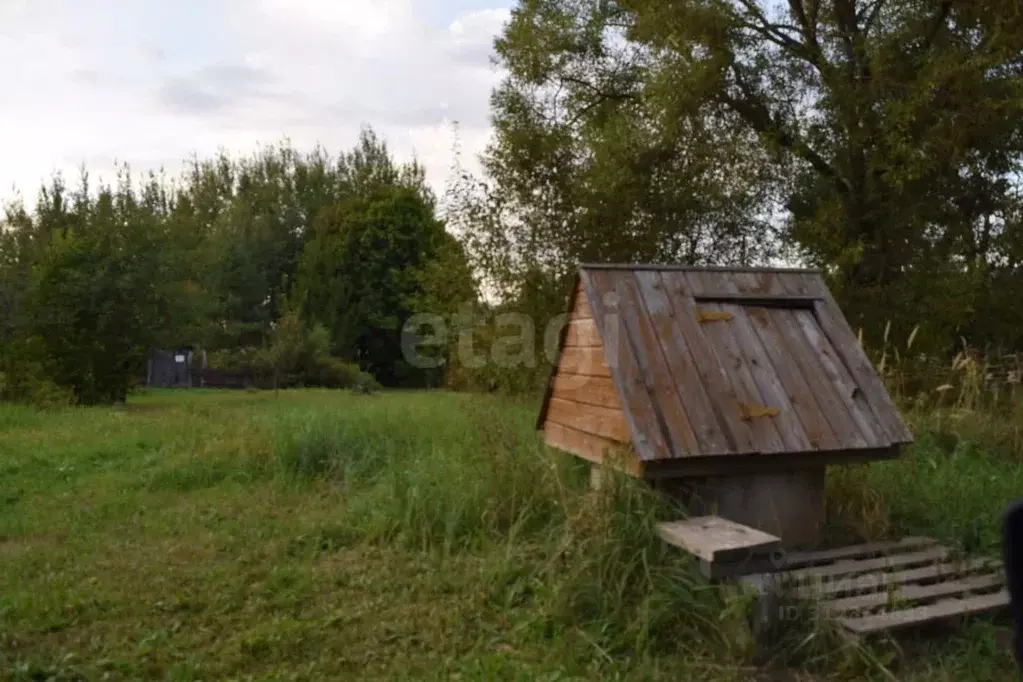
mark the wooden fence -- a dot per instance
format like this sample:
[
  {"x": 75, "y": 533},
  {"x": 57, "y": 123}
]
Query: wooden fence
[{"x": 222, "y": 378}]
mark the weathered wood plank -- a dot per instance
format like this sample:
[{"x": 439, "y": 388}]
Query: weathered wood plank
[
  {"x": 760, "y": 283},
  {"x": 682, "y": 365},
  {"x": 767, "y": 432},
  {"x": 868, "y": 383},
  {"x": 834, "y": 325},
  {"x": 693, "y": 268},
  {"x": 949, "y": 608},
  {"x": 908, "y": 594},
  {"x": 804, "y": 357},
  {"x": 655, "y": 369},
  {"x": 573, "y": 302},
  {"x": 712, "y": 284},
  {"x": 590, "y": 390},
  {"x": 815, "y": 424},
  {"x": 585, "y": 361},
  {"x": 712, "y": 374},
  {"x": 583, "y": 333},
  {"x": 794, "y": 284},
  {"x": 866, "y": 550},
  {"x": 753, "y": 283},
  {"x": 668, "y": 366},
  {"x": 751, "y": 463},
  {"x": 648, "y": 436},
  {"x": 581, "y": 309},
  {"x": 593, "y": 448},
  {"x": 715, "y": 539},
  {"x": 755, "y": 359},
  {"x": 600, "y": 421},
  {"x": 837, "y": 374},
  {"x": 852, "y": 568},
  {"x": 873, "y": 582}
]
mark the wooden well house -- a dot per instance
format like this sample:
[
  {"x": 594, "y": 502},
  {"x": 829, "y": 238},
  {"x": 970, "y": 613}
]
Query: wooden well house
[{"x": 732, "y": 388}]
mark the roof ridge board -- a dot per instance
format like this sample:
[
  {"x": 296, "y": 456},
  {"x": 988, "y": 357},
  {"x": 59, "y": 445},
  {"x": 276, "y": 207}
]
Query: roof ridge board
[{"x": 695, "y": 268}]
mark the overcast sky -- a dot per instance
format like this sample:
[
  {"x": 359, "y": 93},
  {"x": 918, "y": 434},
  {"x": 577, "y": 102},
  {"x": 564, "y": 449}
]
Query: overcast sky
[{"x": 148, "y": 82}]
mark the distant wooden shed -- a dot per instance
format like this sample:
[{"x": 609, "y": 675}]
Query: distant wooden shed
[{"x": 739, "y": 384}]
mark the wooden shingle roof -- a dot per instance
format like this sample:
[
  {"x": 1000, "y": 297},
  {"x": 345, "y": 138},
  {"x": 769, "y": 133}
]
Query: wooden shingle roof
[{"x": 711, "y": 362}]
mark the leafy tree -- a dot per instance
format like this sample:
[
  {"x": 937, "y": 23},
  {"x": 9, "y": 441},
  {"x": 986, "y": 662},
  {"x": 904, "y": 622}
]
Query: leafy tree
[
  {"x": 102, "y": 292},
  {"x": 362, "y": 268},
  {"x": 587, "y": 166},
  {"x": 96, "y": 277},
  {"x": 447, "y": 293},
  {"x": 300, "y": 356},
  {"x": 368, "y": 168},
  {"x": 897, "y": 122},
  {"x": 881, "y": 136}
]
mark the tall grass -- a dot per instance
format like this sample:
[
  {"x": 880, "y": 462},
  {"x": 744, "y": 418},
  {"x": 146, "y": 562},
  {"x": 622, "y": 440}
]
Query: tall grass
[
  {"x": 586, "y": 564},
  {"x": 963, "y": 469},
  {"x": 342, "y": 506}
]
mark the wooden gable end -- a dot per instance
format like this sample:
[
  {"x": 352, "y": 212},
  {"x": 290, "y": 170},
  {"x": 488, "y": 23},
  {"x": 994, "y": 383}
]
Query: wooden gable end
[{"x": 583, "y": 411}]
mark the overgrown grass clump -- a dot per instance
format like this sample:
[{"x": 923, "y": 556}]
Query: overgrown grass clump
[{"x": 482, "y": 482}]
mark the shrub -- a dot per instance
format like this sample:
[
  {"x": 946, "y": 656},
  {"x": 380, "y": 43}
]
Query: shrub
[
  {"x": 297, "y": 357},
  {"x": 23, "y": 379},
  {"x": 330, "y": 372}
]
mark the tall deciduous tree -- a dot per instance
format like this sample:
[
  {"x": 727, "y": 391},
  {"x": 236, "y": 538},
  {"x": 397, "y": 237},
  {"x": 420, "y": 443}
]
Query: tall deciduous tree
[
  {"x": 887, "y": 131},
  {"x": 362, "y": 271},
  {"x": 897, "y": 121},
  {"x": 104, "y": 289},
  {"x": 586, "y": 165}
]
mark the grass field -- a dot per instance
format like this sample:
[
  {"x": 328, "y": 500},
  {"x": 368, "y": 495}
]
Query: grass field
[{"x": 322, "y": 535}]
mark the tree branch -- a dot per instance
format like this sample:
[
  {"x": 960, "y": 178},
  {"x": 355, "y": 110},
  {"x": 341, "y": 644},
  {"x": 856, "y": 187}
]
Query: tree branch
[
  {"x": 937, "y": 22},
  {"x": 808, "y": 22},
  {"x": 845, "y": 18},
  {"x": 870, "y": 14},
  {"x": 601, "y": 96},
  {"x": 757, "y": 115},
  {"x": 599, "y": 92},
  {"x": 775, "y": 33}
]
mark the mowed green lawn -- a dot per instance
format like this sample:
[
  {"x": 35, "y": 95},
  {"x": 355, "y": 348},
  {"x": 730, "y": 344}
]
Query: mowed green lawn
[{"x": 321, "y": 535}]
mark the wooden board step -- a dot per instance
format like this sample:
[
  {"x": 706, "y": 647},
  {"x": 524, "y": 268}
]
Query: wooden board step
[
  {"x": 945, "y": 609},
  {"x": 887, "y": 586},
  {"x": 884, "y": 581},
  {"x": 869, "y": 550},
  {"x": 722, "y": 546}
]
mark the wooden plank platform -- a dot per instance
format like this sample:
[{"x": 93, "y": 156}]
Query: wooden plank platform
[
  {"x": 889, "y": 586},
  {"x": 721, "y": 545},
  {"x": 869, "y": 588}
]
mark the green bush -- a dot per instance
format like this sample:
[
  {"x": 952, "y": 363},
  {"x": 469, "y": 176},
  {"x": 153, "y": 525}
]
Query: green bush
[
  {"x": 297, "y": 357},
  {"x": 329, "y": 372},
  {"x": 23, "y": 379}
]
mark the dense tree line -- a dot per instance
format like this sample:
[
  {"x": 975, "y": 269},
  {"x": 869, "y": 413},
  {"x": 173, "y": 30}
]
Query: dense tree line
[
  {"x": 305, "y": 264},
  {"x": 880, "y": 140}
]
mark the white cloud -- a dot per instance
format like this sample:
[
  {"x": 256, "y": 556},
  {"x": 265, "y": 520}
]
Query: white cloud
[
  {"x": 149, "y": 83},
  {"x": 363, "y": 23}
]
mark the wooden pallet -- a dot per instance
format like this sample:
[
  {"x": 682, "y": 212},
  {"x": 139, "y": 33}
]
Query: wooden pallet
[{"x": 888, "y": 586}]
